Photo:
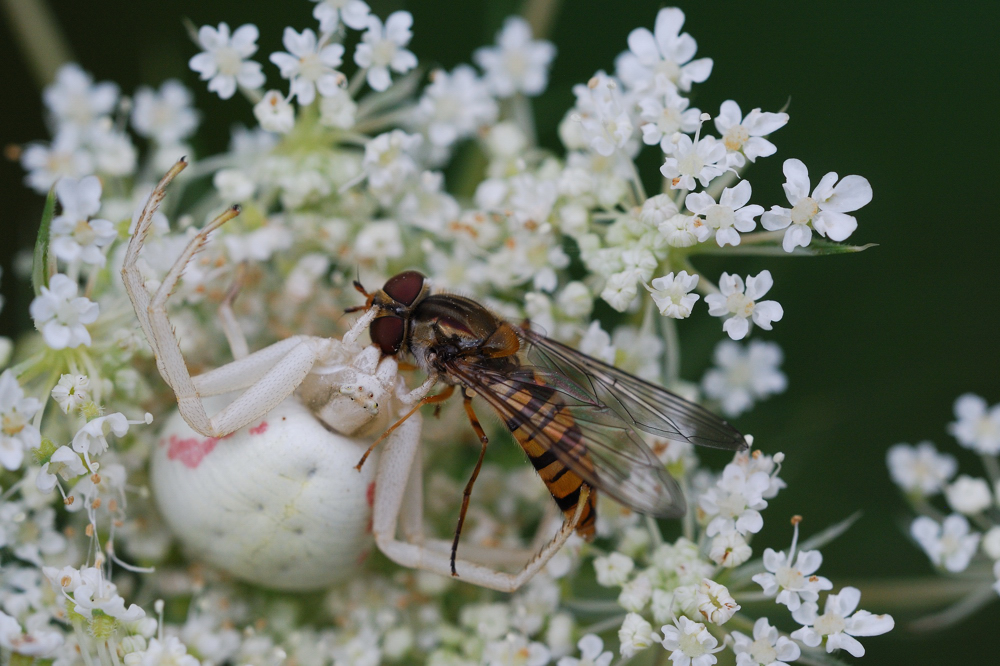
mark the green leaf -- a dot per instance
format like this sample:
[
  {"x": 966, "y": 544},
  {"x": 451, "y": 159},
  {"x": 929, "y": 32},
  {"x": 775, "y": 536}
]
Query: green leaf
[
  {"x": 769, "y": 248},
  {"x": 39, "y": 265},
  {"x": 819, "y": 657},
  {"x": 830, "y": 533}
]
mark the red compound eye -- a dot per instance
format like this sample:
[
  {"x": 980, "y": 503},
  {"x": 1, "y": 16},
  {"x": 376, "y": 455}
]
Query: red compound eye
[
  {"x": 405, "y": 287},
  {"x": 387, "y": 333}
]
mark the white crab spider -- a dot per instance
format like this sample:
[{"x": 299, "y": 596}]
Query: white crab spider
[{"x": 351, "y": 390}]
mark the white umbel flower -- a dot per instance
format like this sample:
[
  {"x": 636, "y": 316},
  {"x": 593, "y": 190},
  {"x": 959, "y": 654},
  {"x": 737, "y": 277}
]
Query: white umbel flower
[
  {"x": 606, "y": 125},
  {"x": 673, "y": 296},
  {"x": 694, "y": 160},
  {"x": 331, "y": 13},
  {"x": 689, "y": 643},
  {"x": 384, "y": 47},
  {"x": 949, "y": 544},
  {"x": 224, "y": 62},
  {"x": 75, "y": 100},
  {"x": 517, "y": 64},
  {"x": 309, "y": 65},
  {"x": 454, "y": 106},
  {"x": 64, "y": 157},
  {"x": 165, "y": 115},
  {"x": 791, "y": 579},
  {"x": 664, "y": 116},
  {"x": 635, "y": 635},
  {"x": 730, "y": 215},
  {"x": 825, "y": 210},
  {"x": 744, "y": 137},
  {"x": 744, "y": 375},
  {"x": 74, "y": 235},
  {"x": 592, "y": 653},
  {"x": 920, "y": 469},
  {"x": 515, "y": 650},
  {"x": 17, "y": 434},
  {"x": 735, "y": 501},
  {"x": 766, "y": 648},
  {"x": 666, "y": 52},
  {"x": 739, "y": 304},
  {"x": 61, "y": 315},
  {"x": 969, "y": 495},
  {"x": 978, "y": 425},
  {"x": 839, "y": 623},
  {"x": 169, "y": 652},
  {"x": 714, "y": 602},
  {"x": 613, "y": 570},
  {"x": 64, "y": 462},
  {"x": 71, "y": 392},
  {"x": 274, "y": 113}
]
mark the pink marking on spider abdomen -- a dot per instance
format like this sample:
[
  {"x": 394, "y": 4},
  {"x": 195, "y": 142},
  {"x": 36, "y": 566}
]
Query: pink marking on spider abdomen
[
  {"x": 190, "y": 451},
  {"x": 259, "y": 429},
  {"x": 370, "y": 494}
]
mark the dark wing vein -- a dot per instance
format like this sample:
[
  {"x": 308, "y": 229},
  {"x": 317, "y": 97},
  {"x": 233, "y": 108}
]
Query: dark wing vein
[
  {"x": 623, "y": 466},
  {"x": 643, "y": 405}
]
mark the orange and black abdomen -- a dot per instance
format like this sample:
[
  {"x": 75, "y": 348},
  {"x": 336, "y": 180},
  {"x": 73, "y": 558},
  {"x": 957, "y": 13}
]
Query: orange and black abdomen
[{"x": 539, "y": 406}]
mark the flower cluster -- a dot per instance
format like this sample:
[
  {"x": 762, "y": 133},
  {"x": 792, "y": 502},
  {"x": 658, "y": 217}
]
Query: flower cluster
[
  {"x": 958, "y": 525},
  {"x": 344, "y": 173}
]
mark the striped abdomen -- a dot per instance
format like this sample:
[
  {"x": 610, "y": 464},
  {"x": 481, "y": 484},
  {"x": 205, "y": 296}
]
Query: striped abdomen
[{"x": 538, "y": 405}]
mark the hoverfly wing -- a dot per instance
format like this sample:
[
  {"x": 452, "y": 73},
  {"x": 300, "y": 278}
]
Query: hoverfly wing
[
  {"x": 603, "y": 450},
  {"x": 639, "y": 403}
]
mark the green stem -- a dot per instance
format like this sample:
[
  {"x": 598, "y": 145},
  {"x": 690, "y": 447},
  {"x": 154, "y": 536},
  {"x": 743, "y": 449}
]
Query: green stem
[
  {"x": 540, "y": 14},
  {"x": 39, "y": 37}
]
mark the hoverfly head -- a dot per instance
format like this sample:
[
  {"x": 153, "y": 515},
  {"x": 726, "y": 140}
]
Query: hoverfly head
[{"x": 395, "y": 301}]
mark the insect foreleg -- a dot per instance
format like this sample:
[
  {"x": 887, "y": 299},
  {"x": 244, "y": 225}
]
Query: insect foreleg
[
  {"x": 475, "y": 473},
  {"x": 429, "y": 400}
]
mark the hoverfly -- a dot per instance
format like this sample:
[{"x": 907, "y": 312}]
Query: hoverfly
[{"x": 574, "y": 416}]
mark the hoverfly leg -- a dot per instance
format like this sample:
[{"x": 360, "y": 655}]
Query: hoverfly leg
[
  {"x": 429, "y": 400},
  {"x": 474, "y": 420}
]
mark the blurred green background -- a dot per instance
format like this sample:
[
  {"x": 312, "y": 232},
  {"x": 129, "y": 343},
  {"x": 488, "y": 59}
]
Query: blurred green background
[{"x": 878, "y": 345}]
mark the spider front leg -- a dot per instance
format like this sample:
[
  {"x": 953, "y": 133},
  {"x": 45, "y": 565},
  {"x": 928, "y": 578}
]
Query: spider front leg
[
  {"x": 267, "y": 376},
  {"x": 398, "y": 478}
]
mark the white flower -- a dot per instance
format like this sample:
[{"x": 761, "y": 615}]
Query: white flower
[
  {"x": 948, "y": 545},
  {"x": 977, "y": 427},
  {"x": 693, "y": 161},
  {"x": 165, "y": 116},
  {"x": 309, "y": 65},
  {"x": 352, "y": 13},
  {"x": 838, "y": 625},
  {"x": 606, "y": 125},
  {"x": 596, "y": 342},
  {"x": 797, "y": 582},
  {"x": 744, "y": 138},
  {"x": 991, "y": 543},
  {"x": 71, "y": 392},
  {"x": 388, "y": 161},
  {"x": 114, "y": 154},
  {"x": 64, "y": 157},
  {"x": 613, "y": 570},
  {"x": 730, "y": 215},
  {"x": 621, "y": 289},
  {"x": 517, "y": 64},
  {"x": 455, "y": 105},
  {"x": 635, "y": 635},
  {"x": 920, "y": 469},
  {"x": 381, "y": 49},
  {"x": 97, "y": 593},
  {"x": 673, "y": 296},
  {"x": 739, "y": 306},
  {"x": 714, "y": 602},
  {"x": 17, "y": 434},
  {"x": 338, "y": 110},
  {"x": 379, "y": 240},
  {"x": 968, "y": 495},
  {"x": 91, "y": 438},
  {"x": 575, "y": 300},
  {"x": 170, "y": 652},
  {"x": 74, "y": 99},
  {"x": 65, "y": 463},
  {"x": 223, "y": 63},
  {"x": 40, "y": 639},
  {"x": 665, "y": 52},
  {"x": 744, "y": 375},
  {"x": 591, "y": 653},
  {"x": 689, "y": 643},
  {"x": 657, "y": 209},
  {"x": 274, "y": 113},
  {"x": 515, "y": 650},
  {"x": 74, "y": 235},
  {"x": 767, "y": 648},
  {"x": 735, "y": 501},
  {"x": 826, "y": 210},
  {"x": 730, "y": 550},
  {"x": 684, "y": 230},
  {"x": 489, "y": 621},
  {"x": 233, "y": 184},
  {"x": 61, "y": 315},
  {"x": 665, "y": 116},
  {"x": 636, "y": 593}
]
